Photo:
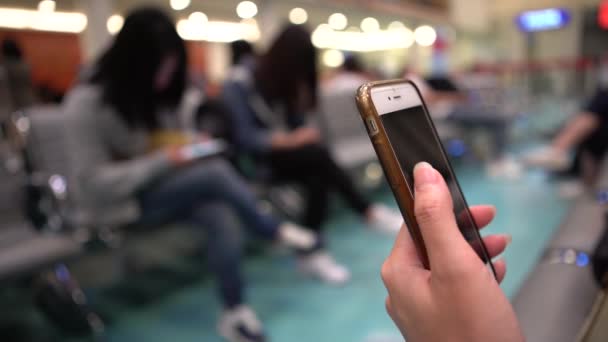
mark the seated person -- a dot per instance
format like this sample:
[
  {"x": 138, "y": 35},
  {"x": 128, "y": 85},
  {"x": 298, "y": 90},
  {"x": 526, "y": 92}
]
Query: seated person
[
  {"x": 439, "y": 93},
  {"x": 267, "y": 109},
  {"x": 120, "y": 181},
  {"x": 587, "y": 134}
]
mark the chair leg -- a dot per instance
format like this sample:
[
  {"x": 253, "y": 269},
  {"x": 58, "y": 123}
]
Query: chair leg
[{"x": 59, "y": 296}]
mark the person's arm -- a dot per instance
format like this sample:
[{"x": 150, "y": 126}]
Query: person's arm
[
  {"x": 583, "y": 123},
  {"x": 458, "y": 299},
  {"x": 250, "y": 136},
  {"x": 247, "y": 134},
  {"x": 112, "y": 180},
  {"x": 96, "y": 134},
  {"x": 576, "y": 130}
]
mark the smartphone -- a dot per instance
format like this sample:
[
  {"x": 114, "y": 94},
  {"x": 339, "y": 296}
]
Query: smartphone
[
  {"x": 403, "y": 134},
  {"x": 204, "y": 149}
]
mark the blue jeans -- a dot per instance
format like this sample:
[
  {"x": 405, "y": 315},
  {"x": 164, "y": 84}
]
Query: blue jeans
[{"x": 207, "y": 193}]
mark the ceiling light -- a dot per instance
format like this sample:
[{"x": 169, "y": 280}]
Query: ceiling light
[
  {"x": 198, "y": 18},
  {"x": 325, "y": 38},
  {"x": 69, "y": 22},
  {"x": 46, "y": 6},
  {"x": 179, "y": 5},
  {"x": 333, "y": 58},
  {"x": 338, "y": 21},
  {"x": 395, "y": 25},
  {"x": 246, "y": 9},
  {"x": 298, "y": 16},
  {"x": 114, "y": 23},
  {"x": 219, "y": 31},
  {"x": 251, "y": 30},
  {"x": 425, "y": 35},
  {"x": 370, "y": 24}
]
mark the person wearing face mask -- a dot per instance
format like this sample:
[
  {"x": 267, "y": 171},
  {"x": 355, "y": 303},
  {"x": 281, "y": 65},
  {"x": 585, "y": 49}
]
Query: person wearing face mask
[
  {"x": 120, "y": 178},
  {"x": 587, "y": 134}
]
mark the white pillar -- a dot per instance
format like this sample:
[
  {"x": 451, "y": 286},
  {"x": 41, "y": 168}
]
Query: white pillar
[{"x": 95, "y": 37}]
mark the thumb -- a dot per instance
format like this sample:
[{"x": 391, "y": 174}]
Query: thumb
[{"x": 435, "y": 215}]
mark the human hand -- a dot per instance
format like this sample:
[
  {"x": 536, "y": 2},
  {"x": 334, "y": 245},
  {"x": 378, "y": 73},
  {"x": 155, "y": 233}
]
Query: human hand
[
  {"x": 458, "y": 299},
  {"x": 305, "y": 136},
  {"x": 176, "y": 156},
  {"x": 202, "y": 137},
  {"x": 300, "y": 137}
]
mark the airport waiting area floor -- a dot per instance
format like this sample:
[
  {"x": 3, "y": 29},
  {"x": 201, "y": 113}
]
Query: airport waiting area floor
[{"x": 297, "y": 309}]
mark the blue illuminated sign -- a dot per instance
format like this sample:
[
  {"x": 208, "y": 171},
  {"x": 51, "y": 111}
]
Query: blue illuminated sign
[{"x": 542, "y": 20}]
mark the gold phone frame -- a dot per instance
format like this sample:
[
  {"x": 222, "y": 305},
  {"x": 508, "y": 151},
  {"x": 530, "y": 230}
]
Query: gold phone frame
[
  {"x": 389, "y": 162},
  {"x": 392, "y": 169}
]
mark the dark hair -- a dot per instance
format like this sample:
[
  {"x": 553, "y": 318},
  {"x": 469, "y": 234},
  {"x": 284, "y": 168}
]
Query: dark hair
[
  {"x": 240, "y": 49},
  {"x": 127, "y": 70},
  {"x": 291, "y": 62},
  {"x": 10, "y": 49},
  {"x": 352, "y": 64}
]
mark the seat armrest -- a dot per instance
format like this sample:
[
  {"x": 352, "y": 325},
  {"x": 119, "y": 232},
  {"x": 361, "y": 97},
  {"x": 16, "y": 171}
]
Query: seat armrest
[{"x": 47, "y": 202}]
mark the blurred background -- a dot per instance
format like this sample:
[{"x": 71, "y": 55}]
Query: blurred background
[{"x": 516, "y": 89}]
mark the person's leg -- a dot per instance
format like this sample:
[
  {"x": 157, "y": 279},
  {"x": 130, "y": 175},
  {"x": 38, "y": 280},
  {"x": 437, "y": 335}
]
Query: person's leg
[
  {"x": 288, "y": 166},
  {"x": 207, "y": 194},
  {"x": 317, "y": 200},
  {"x": 377, "y": 216},
  {"x": 213, "y": 180},
  {"x": 176, "y": 198},
  {"x": 592, "y": 150},
  {"x": 313, "y": 164},
  {"x": 224, "y": 249},
  {"x": 238, "y": 322},
  {"x": 299, "y": 166}
]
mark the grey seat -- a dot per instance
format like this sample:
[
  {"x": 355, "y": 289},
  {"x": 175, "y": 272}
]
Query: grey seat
[
  {"x": 344, "y": 131},
  {"x": 24, "y": 249},
  {"x": 558, "y": 295}
]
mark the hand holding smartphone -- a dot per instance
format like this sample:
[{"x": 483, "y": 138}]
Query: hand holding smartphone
[{"x": 403, "y": 135}]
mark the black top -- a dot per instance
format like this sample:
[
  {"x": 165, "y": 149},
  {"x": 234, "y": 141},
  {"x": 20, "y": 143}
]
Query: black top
[{"x": 599, "y": 104}]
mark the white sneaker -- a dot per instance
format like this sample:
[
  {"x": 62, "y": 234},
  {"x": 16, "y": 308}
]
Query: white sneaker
[
  {"x": 506, "y": 167},
  {"x": 548, "y": 158},
  {"x": 295, "y": 236},
  {"x": 323, "y": 266},
  {"x": 570, "y": 189},
  {"x": 241, "y": 325},
  {"x": 384, "y": 219}
]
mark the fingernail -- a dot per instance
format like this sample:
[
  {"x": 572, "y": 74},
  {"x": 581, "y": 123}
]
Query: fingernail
[
  {"x": 509, "y": 238},
  {"x": 424, "y": 174}
]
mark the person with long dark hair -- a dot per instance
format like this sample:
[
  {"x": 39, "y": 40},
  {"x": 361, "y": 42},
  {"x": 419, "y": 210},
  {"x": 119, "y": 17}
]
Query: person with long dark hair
[
  {"x": 118, "y": 180},
  {"x": 18, "y": 76},
  {"x": 268, "y": 111}
]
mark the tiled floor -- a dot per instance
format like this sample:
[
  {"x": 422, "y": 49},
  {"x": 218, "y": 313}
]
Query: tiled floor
[{"x": 296, "y": 309}]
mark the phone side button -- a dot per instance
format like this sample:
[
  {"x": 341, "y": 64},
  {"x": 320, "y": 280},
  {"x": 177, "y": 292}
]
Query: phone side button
[{"x": 372, "y": 126}]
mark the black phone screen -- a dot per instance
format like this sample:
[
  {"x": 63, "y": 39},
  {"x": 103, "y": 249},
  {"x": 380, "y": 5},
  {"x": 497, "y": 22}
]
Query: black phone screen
[{"x": 413, "y": 140}]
